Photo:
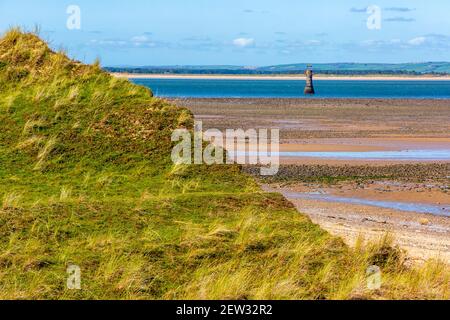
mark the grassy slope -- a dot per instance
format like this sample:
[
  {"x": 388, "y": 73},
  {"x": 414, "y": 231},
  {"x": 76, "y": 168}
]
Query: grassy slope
[{"x": 86, "y": 178}]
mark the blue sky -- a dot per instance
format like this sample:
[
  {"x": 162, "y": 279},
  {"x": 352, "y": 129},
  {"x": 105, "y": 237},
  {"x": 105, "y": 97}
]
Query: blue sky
[{"x": 244, "y": 32}]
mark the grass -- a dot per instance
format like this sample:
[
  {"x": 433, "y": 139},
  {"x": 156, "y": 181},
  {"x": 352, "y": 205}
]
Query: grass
[{"x": 86, "y": 179}]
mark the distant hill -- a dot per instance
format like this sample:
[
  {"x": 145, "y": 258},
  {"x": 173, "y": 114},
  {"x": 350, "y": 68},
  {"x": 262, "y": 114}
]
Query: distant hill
[{"x": 436, "y": 68}]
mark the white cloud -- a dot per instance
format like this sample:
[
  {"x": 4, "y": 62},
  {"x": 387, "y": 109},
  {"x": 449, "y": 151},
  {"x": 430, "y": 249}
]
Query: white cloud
[
  {"x": 417, "y": 41},
  {"x": 358, "y": 10},
  {"x": 140, "y": 39},
  {"x": 370, "y": 43},
  {"x": 314, "y": 42},
  {"x": 108, "y": 42},
  {"x": 400, "y": 19},
  {"x": 243, "y": 42},
  {"x": 400, "y": 9}
]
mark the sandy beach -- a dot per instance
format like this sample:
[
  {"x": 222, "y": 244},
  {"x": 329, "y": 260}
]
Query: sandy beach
[
  {"x": 423, "y": 236},
  {"x": 281, "y": 77},
  {"x": 409, "y": 199},
  {"x": 330, "y": 121}
]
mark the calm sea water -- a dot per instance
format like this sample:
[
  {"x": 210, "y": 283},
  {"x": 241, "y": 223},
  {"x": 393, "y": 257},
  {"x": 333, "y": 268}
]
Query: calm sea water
[
  {"x": 439, "y": 210},
  {"x": 225, "y": 88}
]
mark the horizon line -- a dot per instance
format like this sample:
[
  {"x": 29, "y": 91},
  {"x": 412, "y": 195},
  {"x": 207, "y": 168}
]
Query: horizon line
[{"x": 270, "y": 65}]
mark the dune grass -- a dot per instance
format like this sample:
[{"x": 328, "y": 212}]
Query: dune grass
[{"x": 86, "y": 179}]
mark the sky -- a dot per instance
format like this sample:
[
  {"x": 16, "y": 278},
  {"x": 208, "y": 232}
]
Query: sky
[{"x": 238, "y": 32}]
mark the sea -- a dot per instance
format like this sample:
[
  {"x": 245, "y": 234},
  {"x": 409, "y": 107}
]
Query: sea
[{"x": 231, "y": 88}]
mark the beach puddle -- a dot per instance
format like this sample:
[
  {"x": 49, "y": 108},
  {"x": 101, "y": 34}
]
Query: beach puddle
[
  {"x": 401, "y": 206},
  {"x": 406, "y": 155}
]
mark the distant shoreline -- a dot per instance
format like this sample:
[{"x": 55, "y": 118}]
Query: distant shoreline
[{"x": 281, "y": 77}]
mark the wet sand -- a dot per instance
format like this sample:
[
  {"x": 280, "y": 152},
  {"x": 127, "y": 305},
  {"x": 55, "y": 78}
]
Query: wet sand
[
  {"x": 334, "y": 125},
  {"x": 355, "y": 125},
  {"x": 423, "y": 236},
  {"x": 306, "y": 121}
]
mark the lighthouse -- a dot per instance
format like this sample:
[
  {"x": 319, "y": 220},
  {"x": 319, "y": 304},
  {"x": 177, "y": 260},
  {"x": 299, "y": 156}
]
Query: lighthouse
[{"x": 309, "y": 88}]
